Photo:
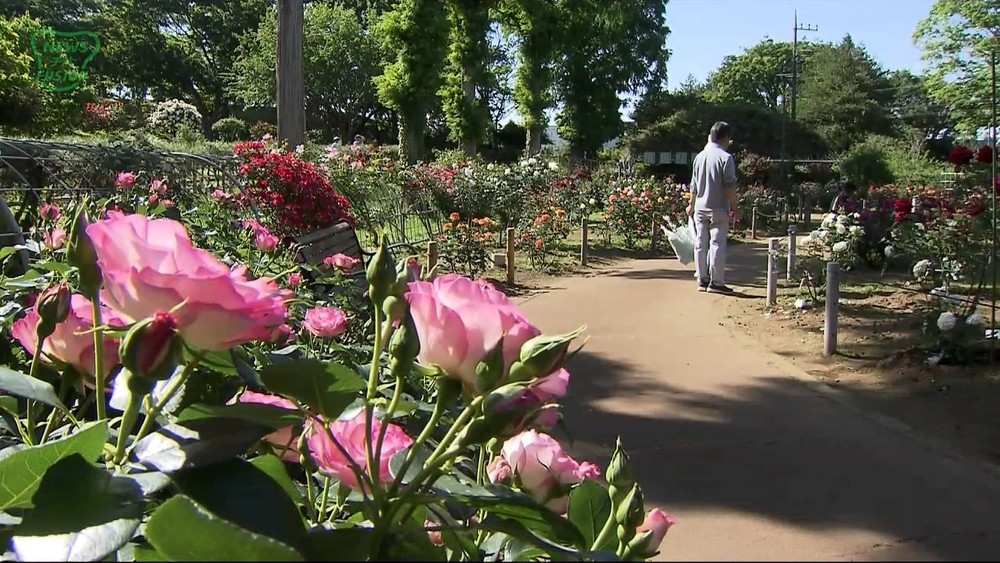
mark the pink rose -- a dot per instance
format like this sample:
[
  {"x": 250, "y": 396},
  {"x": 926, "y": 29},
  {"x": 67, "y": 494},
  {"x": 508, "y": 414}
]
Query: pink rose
[
  {"x": 342, "y": 262},
  {"x": 284, "y": 439},
  {"x": 158, "y": 187},
  {"x": 658, "y": 522},
  {"x": 499, "y": 470},
  {"x": 55, "y": 238},
  {"x": 168, "y": 203},
  {"x": 433, "y": 535},
  {"x": 219, "y": 194},
  {"x": 150, "y": 265},
  {"x": 254, "y": 226},
  {"x": 550, "y": 387},
  {"x": 49, "y": 211},
  {"x": 545, "y": 471},
  {"x": 125, "y": 180},
  {"x": 458, "y": 321},
  {"x": 351, "y": 435},
  {"x": 281, "y": 334},
  {"x": 294, "y": 279},
  {"x": 325, "y": 322},
  {"x": 153, "y": 198},
  {"x": 266, "y": 241},
  {"x": 67, "y": 344}
]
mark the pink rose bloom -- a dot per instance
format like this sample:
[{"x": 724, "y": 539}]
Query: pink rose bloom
[
  {"x": 283, "y": 439},
  {"x": 153, "y": 198},
  {"x": 294, "y": 279},
  {"x": 433, "y": 535},
  {"x": 658, "y": 522},
  {"x": 55, "y": 238},
  {"x": 219, "y": 194},
  {"x": 150, "y": 265},
  {"x": 342, "y": 262},
  {"x": 125, "y": 180},
  {"x": 544, "y": 469},
  {"x": 49, "y": 211},
  {"x": 550, "y": 387},
  {"x": 325, "y": 322},
  {"x": 168, "y": 203},
  {"x": 351, "y": 435},
  {"x": 458, "y": 321},
  {"x": 265, "y": 241},
  {"x": 499, "y": 470},
  {"x": 66, "y": 344},
  {"x": 158, "y": 187},
  {"x": 281, "y": 334}
]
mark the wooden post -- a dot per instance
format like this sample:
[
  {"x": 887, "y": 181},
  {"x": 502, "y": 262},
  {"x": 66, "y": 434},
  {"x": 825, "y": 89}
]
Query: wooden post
[
  {"x": 784, "y": 212},
  {"x": 772, "y": 271},
  {"x": 753, "y": 222},
  {"x": 510, "y": 255},
  {"x": 832, "y": 307},
  {"x": 792, "y": 231},
  {"x": 584, "y": 235},
  {"x": 291, "y": 99},
  {"x": 432, "y": 255}
]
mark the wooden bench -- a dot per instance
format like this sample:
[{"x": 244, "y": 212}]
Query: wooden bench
[{"x": 341, "y": 238}]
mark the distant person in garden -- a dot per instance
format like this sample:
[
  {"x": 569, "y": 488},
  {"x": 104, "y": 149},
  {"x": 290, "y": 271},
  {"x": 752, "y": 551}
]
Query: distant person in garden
[
  {"x": 711, "y": 201},
  {"x": 845, "y": 199}
]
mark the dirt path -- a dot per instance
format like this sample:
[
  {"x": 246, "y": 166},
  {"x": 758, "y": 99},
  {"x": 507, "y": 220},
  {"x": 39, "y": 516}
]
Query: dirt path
[{"x": 755, "y": 458}]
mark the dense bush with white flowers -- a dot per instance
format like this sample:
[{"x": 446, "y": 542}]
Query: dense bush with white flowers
[{"x": 171, "y": 117}]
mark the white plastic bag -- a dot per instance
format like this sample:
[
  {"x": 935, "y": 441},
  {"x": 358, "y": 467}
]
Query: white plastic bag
[{"x": 681, "y": 239}]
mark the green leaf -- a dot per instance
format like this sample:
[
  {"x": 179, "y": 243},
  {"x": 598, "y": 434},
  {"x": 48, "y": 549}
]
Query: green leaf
[
  {"x": 196, "y": 443},
  {"x": 275, "y": 469},
  {"x": 82, "y": 513},
  {"x": 9, "y": 414},
  {"x": 23, "y": 385},
  {"x": 32, "y": 279},
  {"x": 589, "y": 509},
  {"x": 339, "y": 544},
  {"x": 241, "y": 493},
  {"x": 53, "y": 266},
  {"x": 147, "y": 553},
  {"x": 22, "y": 471},
  {"x": 183, "y": 530},
  {"x": 221, "y": 362},
  {"x": 327, "y": 387},
  {"x": 266, "y": 415}
]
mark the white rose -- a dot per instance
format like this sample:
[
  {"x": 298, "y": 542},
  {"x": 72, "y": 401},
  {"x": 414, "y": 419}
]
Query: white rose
[
  {"x": 806, "y": 240},
  {"x": 889, "y": 251},
  {"x": 593, "y": 201},
  {"x": 553, "y": 166},
  {"x": 841, "y": 246},
  {"x": 532, "y": 161},
  {"x": 921, "y": 269},
  {"x": 855, "y": 229},
  {"x": 841, "y": 218},
  {"x": 841, "y": 229},
  {"x": 975, "y": 319},
  {"x": 946, "y": 321}
]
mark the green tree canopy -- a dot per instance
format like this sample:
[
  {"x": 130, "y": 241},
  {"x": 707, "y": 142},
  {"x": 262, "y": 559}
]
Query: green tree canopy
[
  {"x": 341, "y": 60},
  {"x": 955, "y": 40},
  {"x": 757, "y": 76},
  {"x": 844, "y": 94}
]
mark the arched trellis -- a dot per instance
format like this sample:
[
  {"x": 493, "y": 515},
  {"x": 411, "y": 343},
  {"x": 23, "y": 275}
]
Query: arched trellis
[{"x": 33, "y": 171}]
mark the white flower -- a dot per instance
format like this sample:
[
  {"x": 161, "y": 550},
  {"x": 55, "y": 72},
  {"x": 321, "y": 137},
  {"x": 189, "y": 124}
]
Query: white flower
[
  {"x": 507, "y": 171},
  {"x": 855, "y": 215},
  {"x": 583, "y": 206},
  {"x": 946, "y": 321},
  {"x": 921, "y": 269},
  {"x": 920, "y": 226},
  {"x": 975, "y": 319},
  {"x": 828, "y": 221},
  {"x": 593, "y": 201},
  {"x": 299, "y": 149},
  {"x": 806, "y": 240},
  {"x": 855, "y": 229},
  {"x": 841, "y": 246},
  {"x": 815, "y": 234},
  {"x": 841, "y": 229},
  {"x": 553, "y": 166},
  {"x": 889, "y": 251},
  {"x": 841, "y": 218},
  {"x": 532, "y": 161},
  {"x": 490, "y": 166}
]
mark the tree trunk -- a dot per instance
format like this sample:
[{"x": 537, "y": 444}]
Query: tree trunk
[
  {"x": 291, "y": 86},
  {"x": 411, "y": 136},
  {"x": 469, "y": 141},
  {"x": 534, "y": 145}
]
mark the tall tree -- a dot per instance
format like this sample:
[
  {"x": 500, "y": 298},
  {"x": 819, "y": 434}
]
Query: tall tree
[
  {"x": 955, "y": 39},
  {"x": 844, "y": 94},
  {"x": 608, "y": 50},
  {"x": 913, "y": 109},
  {"x": 466, "y": 73},
  {"x": 757, "y": 76},
  {"x": 416, "y": 31},
  {"x": 342, "y": 58},
  {"x": 535, "y": 24},
  {"x": 497, "y": 95}
]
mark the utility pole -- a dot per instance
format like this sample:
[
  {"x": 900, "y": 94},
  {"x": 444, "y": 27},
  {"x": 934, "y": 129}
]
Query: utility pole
[
  {"x": 795, "y": 57},
  {"x": 291, "y": 96}
]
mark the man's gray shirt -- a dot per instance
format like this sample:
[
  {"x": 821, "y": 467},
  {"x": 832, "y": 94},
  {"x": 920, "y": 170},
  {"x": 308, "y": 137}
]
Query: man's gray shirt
[{"x": 713, "y": 171}]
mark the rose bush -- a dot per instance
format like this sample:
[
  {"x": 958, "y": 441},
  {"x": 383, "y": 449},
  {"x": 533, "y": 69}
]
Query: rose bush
[{"x": 386, "y": 440}]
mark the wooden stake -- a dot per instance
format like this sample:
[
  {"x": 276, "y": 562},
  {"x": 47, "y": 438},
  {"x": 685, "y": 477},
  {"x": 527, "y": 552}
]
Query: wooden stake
[
  {"x": 432, "y": 254},
  {"x": 772, "y": 271},
  {"x": 510, "y": 255},
  {"x": 832, "y": 308},
  {"x": 584, "y": 235}
]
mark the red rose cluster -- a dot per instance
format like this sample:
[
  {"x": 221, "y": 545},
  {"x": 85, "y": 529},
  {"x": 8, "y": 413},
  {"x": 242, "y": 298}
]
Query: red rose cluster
[{"x": 299, "y": 198}]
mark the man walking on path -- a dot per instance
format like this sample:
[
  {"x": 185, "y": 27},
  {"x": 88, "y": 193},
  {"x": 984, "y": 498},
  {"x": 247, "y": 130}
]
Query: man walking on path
[{"x": 712, "y": 197}]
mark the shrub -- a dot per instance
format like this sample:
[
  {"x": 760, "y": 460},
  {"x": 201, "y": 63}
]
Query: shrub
[
  {"x": 169, "y": 118},
  {"x": 291, "y": 192},
  {"x": 541, "y": 236},
  {"x": 230, "y": 129},
  {"x": 465, "y": 246}
]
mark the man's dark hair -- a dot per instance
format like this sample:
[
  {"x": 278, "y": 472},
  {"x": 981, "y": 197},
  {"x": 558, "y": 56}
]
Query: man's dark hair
[
  {"x": 849, "y": 187},
  {"x": 721, "y": 130}
]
